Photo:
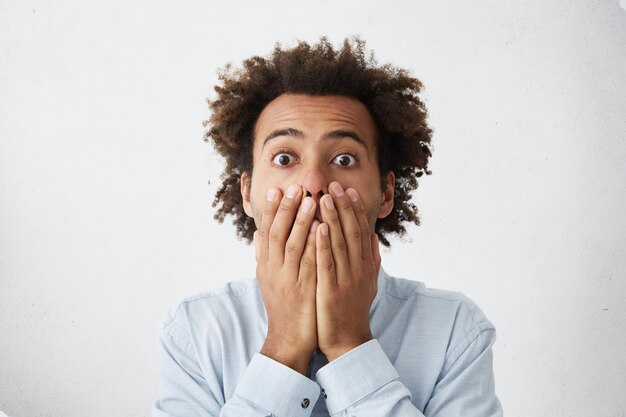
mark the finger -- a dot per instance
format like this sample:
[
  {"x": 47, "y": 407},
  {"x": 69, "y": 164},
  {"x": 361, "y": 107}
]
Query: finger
[
  {"x": 361, "y": 217},
  {"x": 308, "y": 263},
  {"x": 299, "y": 233},
  {"x": 326, "y": 272},
  {"x": 273, "y": 196},
  {"x": 337, "y": 242},
  {"x": 349, "y": 225},
  {"x": 283, "y": 220}
]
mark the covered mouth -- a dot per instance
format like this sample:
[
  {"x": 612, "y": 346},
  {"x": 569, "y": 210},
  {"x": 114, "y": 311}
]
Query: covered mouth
[{"x": 318, "y": 214}]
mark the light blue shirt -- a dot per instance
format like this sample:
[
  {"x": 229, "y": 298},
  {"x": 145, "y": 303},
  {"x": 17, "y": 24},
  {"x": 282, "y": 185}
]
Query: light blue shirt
[{"x": 431, "y": 356}]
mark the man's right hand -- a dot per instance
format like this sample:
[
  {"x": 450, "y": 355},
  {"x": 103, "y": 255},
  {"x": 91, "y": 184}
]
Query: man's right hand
[{"x": 286, "y": 270}]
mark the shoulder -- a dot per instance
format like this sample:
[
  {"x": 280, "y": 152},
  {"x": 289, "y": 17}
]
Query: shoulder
[
  {"x": 213, "y": 308},
  {"x": 452, "y": 321},
  {"x": 442, "y": 302}
]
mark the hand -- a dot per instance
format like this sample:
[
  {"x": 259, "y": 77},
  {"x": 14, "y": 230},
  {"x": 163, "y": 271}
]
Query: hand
[
  {"x": 347, "y": 269},
  {"x": 286, "y": 270}
]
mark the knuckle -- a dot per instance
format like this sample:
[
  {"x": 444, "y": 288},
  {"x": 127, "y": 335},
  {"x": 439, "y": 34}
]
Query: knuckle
[
  {"x": 268, "y": 209},
  {"x": 348, "y": 286},
  {"x": 262, "y": 232},
  {"x": 285, "y": 205},
  {"x": 291, "y": 248},
  {"x": 325, "y": 245},
  {"x": 340, "y": 246},
  {"x": 307, "y": 262},
  {"x": 301, "y": 221},
  {"x": 345, "y": 204},
  {"x": 274, "y": 236},
  {"x": 328, "y": 266},
  {"x": 334, "y": 220}
]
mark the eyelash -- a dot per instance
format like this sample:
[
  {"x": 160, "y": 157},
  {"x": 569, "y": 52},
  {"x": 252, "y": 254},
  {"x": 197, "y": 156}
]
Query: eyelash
[
  {"x": 288, "y": 152},
  {"x": 278, "y": 152},
  {"x": 353, "y": 155}
]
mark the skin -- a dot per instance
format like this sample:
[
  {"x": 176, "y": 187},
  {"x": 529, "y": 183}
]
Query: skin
[{"x": 315, "y": 194}]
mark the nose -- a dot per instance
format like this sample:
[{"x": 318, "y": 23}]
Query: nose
[{"x": 315, "y": 182}]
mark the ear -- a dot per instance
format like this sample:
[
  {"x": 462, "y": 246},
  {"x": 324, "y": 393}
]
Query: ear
[
  {"x": 245, "y": 193},
  {"x": 388, "y": 192}
]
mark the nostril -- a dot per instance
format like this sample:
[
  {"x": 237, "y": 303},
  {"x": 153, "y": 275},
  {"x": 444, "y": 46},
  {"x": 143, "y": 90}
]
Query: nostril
[{"x": 319, "y": 194}]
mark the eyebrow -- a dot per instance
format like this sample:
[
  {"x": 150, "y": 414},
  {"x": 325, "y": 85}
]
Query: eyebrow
[{"x": 334, "y": 134}]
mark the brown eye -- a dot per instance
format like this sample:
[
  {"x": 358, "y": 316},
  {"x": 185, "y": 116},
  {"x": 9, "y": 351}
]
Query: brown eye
[
  {"x": 282, "y": 159},
  {"x": 345, "y": 160}
]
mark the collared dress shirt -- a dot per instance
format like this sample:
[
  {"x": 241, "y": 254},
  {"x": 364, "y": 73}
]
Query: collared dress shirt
[{"x": 431, "y": 356}]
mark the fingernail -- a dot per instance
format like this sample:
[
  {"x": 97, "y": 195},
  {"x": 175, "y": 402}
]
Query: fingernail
[
  {"x": 271, "y": 194},
  {"x": 337, "y": 190},
  {"x": 324, "y": 229},
  {"x": 306, "y": 206},
  {"x": 354, "y": 196},
  {"x": 292, "y": 191},
  {"x": 328, "y": 202},
  {"x": 314, "y": 226}
]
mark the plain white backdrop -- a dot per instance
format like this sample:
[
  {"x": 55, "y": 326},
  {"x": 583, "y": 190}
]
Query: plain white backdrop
[{"x": 105, "y": 218}]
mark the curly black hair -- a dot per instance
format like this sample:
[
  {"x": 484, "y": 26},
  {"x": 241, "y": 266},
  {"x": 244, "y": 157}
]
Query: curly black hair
[{"x": 389, "y": 93}]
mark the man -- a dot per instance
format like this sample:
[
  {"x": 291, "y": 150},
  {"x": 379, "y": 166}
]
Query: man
[{"x": 323, "y": 149}]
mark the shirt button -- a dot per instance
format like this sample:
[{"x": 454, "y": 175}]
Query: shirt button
[{"x": 305, "y": 403}]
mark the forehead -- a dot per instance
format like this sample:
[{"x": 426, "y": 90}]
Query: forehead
[{"x": 315, "y": 115}]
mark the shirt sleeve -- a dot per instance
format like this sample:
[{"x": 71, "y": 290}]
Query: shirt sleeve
[
  {"x": 364, "y": 383},
  {"x": 276, "y": 387},
  {"x": 267, "y": 388},
  {"x": 466, "y": 385}
]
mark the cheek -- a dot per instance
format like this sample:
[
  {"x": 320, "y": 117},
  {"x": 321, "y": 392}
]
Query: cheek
[
  {"x": 364, "y": 177},
  {"x": 372, "y": 198},
  {"x": 259, "y": 189},
  {"x": 368, "y": 188}
]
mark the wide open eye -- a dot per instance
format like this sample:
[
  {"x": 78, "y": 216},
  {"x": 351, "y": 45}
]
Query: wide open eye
[
  {"x": 283, "y": 159},
  {"x": 345, "y": 160}
]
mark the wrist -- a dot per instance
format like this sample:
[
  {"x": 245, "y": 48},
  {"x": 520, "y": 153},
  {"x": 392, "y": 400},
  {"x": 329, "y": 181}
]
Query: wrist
[
  {"x": 295, "y": 358},
  {"x": 338, "y": 350}
]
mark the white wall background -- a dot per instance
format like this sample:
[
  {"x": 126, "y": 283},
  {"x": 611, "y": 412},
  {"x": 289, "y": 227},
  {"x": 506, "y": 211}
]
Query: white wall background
[{"x": 104, "y": 204}]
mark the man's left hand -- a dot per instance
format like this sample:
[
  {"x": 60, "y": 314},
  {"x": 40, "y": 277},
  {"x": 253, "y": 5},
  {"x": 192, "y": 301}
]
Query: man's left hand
[{"x": 347, "y": 270}]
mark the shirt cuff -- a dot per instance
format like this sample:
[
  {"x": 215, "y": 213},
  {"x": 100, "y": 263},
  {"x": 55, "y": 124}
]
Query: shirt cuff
[
  {"x": 277, "y": 388},
  {"x": 355, "y": 375}
]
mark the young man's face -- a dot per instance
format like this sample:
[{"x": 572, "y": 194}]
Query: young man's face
[{"x": 312, "y": 141}]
